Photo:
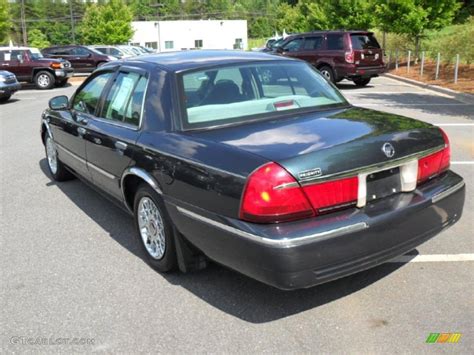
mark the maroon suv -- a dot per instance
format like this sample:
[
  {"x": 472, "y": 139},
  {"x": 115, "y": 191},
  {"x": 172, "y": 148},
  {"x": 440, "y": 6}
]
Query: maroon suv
[
  {"x": 353, "y": 55},
  {"x": 82, "y": 59},
  {"x": 28, "y": 65}
]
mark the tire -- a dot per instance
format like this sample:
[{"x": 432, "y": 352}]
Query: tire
[
  {"x": 5, "y": 98},
  {"x": 328, "y": 73},
  {"x": 56, "y": 168},
  {"x": 61, "y": 83},
  {"x": 152, "y": 223},
  {"x": 361, "y": 81},
  {"x": 44, "y": 80}
]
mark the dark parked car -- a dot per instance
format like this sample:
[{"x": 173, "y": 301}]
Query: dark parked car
[
  {"x": 82, "y": 59},
  {"x": 285, "y": 182},
  {"x": 353, "y": 55},
  {"x": 29, "y": 66},
  {"x": 8, "y": 85}
]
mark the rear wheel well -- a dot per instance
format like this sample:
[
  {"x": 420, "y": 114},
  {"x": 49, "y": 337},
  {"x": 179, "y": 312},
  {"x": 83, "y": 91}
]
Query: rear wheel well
[
  {"x": 323, "y": 64},
  {"x": 130, "y": 186}
]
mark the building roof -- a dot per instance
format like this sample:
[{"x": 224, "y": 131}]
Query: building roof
[{"x": 188, "y": 60}]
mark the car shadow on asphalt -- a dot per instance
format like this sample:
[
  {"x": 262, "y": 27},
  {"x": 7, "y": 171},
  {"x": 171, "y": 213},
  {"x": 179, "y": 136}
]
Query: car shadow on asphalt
[{"x": 222, "y": 288}]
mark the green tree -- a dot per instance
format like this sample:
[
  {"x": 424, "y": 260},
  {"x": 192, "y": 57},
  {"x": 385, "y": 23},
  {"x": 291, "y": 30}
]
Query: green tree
[
  {"x": 5, "y": 23},
  {"x": 415, "y": 17},
  {"x": 348, "y": 14},
  {"x": 37, "y": 39},
  {"x": 107, "y": 24}
]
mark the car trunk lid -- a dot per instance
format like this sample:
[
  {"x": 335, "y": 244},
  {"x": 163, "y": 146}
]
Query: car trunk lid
[{"x": 330, "y": 142}]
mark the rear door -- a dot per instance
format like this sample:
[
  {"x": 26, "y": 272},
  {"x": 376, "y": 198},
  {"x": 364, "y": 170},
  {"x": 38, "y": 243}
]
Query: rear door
[
  {"x": 82, "y": 59},
  {"x": 366, "y": 49},
  {"x": 310, "y": 50},
  {"x": 10, "y": 60},
  {"x": 111, "y": 136}
]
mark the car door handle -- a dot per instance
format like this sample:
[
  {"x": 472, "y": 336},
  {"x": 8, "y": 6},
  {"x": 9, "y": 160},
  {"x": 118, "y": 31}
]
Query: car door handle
[
  {"x": 81, "y": 131},
  {"x": 120, "y": 146},
  {"x": 5, "y": 64}
]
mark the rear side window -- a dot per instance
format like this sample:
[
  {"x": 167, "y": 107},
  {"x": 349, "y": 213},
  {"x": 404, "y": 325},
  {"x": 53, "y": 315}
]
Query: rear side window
[
  {"x": 80, "y": 51},
  {"x": 364, "y": 41},
  {"x": 124, "y": 101},
  {"x": 335, "y": 41},
  {"x": 87, "y": 99},
  {"x": 311, "y": 43}
]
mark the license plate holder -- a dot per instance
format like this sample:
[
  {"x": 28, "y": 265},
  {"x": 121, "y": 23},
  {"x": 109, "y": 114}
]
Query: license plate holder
[{"x": 383, "y": 183}]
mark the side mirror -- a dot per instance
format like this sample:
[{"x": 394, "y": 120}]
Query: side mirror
[
  {"x": 59, "y": 103},
  {"x": 279, "y": 50},
  {"x": 19, "y": 57}
]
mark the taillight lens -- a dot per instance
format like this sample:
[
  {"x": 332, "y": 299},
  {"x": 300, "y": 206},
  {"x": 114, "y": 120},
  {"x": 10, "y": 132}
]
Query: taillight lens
[
  {"x": 273, "y": 195},
  {"x": 333, "y": 195},
  {"x": 436, "y": 163},
  {"x": 349, "y": 57}
]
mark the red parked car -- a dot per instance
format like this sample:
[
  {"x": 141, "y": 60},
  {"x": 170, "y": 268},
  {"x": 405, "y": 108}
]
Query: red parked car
[{"x": 353, "y": 55}]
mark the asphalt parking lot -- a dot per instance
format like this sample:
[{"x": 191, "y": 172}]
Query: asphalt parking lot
[{"x": 70, "y": 267}]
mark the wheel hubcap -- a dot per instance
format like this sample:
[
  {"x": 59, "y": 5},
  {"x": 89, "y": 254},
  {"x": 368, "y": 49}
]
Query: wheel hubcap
[
  {"x": 326, "y": 74},
  {"x": 150, "y": 224},
  {"x": 51, "y": 154},
  {"x": 43, "y": 80}
]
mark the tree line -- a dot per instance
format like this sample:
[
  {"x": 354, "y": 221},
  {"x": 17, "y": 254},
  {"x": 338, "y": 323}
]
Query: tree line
[{"x": 45, "y": 22}]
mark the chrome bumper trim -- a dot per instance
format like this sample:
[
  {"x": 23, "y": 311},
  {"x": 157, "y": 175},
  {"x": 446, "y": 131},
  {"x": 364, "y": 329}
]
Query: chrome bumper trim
[{"x": 276, "y": 243}]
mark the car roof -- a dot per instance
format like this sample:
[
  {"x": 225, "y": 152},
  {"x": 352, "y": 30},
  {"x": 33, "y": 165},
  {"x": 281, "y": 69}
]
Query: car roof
[
  {"x": 195, "y": 59},
  {"x": 303, "y": 34}
]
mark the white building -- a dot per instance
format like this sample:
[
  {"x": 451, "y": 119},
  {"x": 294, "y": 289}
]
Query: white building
[{"x": 166, "y": 36}]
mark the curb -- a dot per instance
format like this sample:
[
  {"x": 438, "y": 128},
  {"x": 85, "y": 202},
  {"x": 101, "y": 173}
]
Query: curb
[{"x": 460, "y": 96}]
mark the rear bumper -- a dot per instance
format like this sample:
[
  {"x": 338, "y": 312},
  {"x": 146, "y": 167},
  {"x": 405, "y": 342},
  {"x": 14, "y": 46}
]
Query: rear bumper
[
  {"x": 313, "y": 251},
  {"x": 9, "y": 89},
  {"x": 352, "y": 71}
]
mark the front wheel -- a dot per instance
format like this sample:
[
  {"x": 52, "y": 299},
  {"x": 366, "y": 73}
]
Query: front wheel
[
  {"x": 154, "y": 229},
  {"x": 44, "y": 80},
  {"x": 56, "y": 168},
  {"x": 5, "y": 98},
  {"x": 328, "y": 73},
  {"x": 361, "y": 81}
]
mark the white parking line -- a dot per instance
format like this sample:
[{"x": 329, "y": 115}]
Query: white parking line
[
  {"x": 453, "y": 124},
  {"x": 462, "y": 162},
  {"x": 397, "y": 105},
  {"x": 432, "y": 258}
]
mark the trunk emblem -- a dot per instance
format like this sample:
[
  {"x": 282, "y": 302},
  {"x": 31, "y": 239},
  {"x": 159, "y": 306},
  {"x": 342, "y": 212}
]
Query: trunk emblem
[
  {"x": 388, "y": 150},
  {"x": 308, "y": 174}
]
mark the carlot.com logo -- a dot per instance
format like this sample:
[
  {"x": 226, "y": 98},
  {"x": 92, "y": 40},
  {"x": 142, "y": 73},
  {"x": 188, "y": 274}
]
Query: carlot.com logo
[{"x": 443, "y": 338}]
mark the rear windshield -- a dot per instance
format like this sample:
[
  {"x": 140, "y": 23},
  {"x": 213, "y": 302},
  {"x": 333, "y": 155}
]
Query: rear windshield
[
  {"x": 364, "y": 41},
  {"x": 239, "y": 93}
]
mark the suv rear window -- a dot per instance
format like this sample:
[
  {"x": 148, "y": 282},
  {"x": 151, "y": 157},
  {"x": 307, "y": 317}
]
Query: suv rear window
[{"x": 363, "y": 41}]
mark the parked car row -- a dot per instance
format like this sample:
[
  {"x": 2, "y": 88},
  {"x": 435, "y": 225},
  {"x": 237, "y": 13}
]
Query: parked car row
[
  {"x": 53, "y": 66},
  {"x": 338, "y": 55}
]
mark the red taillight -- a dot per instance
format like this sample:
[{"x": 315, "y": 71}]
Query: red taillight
[
  {"x": 273, "y": 195},
  {"x": 333, "y": 195},
  {"x": 435, "y": 163},
  {"x": 349, "y": 57}
]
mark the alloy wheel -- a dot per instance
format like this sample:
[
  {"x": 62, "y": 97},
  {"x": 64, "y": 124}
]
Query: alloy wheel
[
  {"x": 151, "y": 227},
  {"x": 52, "y": 155}
]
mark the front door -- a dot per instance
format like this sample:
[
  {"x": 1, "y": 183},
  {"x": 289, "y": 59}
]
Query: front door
[
  {"x": 112, "y": 135},
  {"x": 70, "y": 130}
]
